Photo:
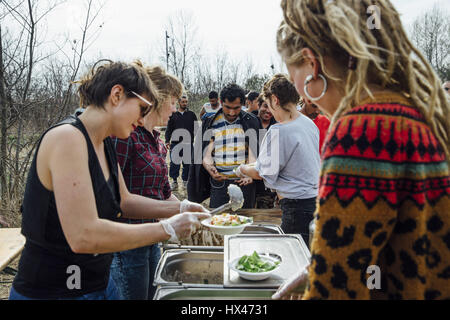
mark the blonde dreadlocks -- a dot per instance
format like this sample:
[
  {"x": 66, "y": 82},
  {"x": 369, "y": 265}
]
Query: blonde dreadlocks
[{"x": 384, "y": 57}]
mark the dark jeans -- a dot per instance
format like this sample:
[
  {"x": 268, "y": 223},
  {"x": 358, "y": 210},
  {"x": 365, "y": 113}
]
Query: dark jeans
[
  {"x": 174, "y": 171},
  {"x": 109, "y": 294},
  {"x": 133, "y": 272},
  {"x": 264, "y": 197},
  {"x": 297, "y": 214},
  {"x": 219, "y": 193}
]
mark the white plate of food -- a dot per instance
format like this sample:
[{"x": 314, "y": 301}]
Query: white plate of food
[
  {"x": 227, "y": 224},
  {"x": 255, "y": 267}
]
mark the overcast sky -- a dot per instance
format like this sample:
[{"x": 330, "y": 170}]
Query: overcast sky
[{"x": 245, "y": 28}]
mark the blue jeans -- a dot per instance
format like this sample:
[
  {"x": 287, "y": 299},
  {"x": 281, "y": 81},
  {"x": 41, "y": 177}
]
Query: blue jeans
[
  {"x": 174, "y": 170},
  {"x": 219, "y": 193},
  {"x": 297, "y": 214},
  {"x": 109, "y": 294},
  {"x": 133, "y": 272}
]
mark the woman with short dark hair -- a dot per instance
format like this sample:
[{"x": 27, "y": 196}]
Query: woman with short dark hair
[{"x": 75, "y": 193}]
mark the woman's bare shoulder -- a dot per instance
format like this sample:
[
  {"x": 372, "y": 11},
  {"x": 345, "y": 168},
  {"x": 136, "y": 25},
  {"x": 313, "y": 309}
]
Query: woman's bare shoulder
[{"x": 63, "y": 139}]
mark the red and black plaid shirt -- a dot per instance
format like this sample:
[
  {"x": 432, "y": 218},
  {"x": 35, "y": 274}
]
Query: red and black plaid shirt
[{"x": 142, "y": 158}]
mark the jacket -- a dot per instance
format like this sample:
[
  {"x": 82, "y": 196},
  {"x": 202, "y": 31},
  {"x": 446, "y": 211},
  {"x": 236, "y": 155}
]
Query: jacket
[{"x": 180, "y": 120}]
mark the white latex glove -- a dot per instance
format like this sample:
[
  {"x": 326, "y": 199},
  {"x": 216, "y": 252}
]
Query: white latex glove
[
  {"x": 297, "y": 283},
  {"x": 188, "y": 206},
  {"x": 181, "y": 226}
]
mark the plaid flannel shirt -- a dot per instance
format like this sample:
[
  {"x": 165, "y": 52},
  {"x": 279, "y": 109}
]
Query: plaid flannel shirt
[{"x": 142, "y": 158}]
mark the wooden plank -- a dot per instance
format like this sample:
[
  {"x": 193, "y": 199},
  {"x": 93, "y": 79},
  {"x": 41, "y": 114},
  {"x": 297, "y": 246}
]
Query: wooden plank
[
  {"x": 11, "y": 245},
  {"x": 272, "y": 216}
]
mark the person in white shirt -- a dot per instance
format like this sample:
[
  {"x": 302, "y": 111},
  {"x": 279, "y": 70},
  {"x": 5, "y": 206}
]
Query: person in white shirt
[
  {"x": 289, "y": 160},
  {"x": 212, "y": 107}
]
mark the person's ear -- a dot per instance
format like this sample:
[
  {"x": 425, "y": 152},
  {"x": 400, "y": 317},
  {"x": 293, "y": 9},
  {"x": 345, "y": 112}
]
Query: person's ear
[
  {"x": 117, "y": 92},
  {"x": 274, "y": 101},
  {"x": 312, "y": 61}
]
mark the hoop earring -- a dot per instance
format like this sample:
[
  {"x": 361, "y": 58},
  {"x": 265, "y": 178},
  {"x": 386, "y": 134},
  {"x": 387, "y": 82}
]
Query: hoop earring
[{"x": 325, "y": 87}]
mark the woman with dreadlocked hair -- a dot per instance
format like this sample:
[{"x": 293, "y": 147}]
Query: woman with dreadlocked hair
[{"x": 383, "y": 223}]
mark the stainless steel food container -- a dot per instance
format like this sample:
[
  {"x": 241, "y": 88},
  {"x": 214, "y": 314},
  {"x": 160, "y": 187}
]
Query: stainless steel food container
[
  {"x": 184, "y": 267},
  {"x": 209, "y": 293},
  {"x": 289, "y": 248},
  {"x": 259, "y": 228}
]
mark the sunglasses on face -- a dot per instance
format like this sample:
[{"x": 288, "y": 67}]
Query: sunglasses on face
[{"x": 144, "y": 110}]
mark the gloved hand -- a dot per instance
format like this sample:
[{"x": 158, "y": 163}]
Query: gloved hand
[
  {"x": 297, "y": 283},
  {"x": 188, "y": 206},
  {"x": 181, "y": 226}
]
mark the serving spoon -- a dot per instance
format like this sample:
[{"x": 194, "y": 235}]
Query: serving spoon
[{"x": 236, "y": 200}]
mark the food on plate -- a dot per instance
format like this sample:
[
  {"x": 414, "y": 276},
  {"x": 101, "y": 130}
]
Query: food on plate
[
  {"x": 229, "y": 220},
  {"x": 254, "y": 263}
]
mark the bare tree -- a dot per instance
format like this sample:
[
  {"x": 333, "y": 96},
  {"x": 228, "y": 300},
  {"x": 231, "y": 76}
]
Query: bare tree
[
  {"x": 431, "y": 34},
  {"x": 183, "y": 46},
  {"x": 36, "y": 87},
  {"x": 79, "y": 48},
  {"x": 19, "y": 59},
  {"x": 256, "y": 82}
]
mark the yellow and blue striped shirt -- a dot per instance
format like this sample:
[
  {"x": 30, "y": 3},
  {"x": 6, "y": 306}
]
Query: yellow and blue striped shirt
[{"x": 230, "y": 148}]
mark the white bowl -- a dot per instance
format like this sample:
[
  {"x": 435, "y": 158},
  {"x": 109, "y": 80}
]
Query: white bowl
[
  {"x": 225, "y": 230},
  {"x": 254, "y": 276}
]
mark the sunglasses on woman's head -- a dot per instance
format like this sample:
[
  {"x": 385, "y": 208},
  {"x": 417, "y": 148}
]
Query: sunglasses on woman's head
[{"x": 144, "y": 110}]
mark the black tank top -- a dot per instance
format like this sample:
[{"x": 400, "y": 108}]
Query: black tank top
[{"x": 47, "y": 261}]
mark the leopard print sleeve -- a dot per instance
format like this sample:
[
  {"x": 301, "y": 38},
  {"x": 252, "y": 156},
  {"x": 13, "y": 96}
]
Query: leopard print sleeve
[
  {"x": 377, "y": 203},
  {"x": 353, "y": 221}
]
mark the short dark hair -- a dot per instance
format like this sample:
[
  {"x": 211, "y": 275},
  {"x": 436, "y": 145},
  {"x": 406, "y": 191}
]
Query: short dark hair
[
  {"x": 213, "y": 95},
  {"x": 231, "y": 92},
  {"x": 252, "y": 96},
  {"x": 96, "y": 85},
  {"x": 282, "y": 88}
]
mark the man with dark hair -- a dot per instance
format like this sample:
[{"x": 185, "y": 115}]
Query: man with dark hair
[
  {"x": 265, "y": 116},
  {"x": 212, "y": 107},
  {"x": 233, "y": 142},
  {"x": 252, "y": 102},
  {"x": 182, "y": 119}
]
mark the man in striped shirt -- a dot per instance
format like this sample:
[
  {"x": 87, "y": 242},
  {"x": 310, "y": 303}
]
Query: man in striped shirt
[{"x": 230, "y": 146}]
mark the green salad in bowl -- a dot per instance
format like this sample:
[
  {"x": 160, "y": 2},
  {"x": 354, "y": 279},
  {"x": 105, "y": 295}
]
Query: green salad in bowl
[{"x": 255, "y": 266}]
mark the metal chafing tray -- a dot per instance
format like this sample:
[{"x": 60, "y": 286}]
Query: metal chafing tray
[
  {"x": 184, "y": 267},
  {"x": 290, "y": 248},
  {"x": 209, "y": 293},
  {"x": 256, "y": 228}
]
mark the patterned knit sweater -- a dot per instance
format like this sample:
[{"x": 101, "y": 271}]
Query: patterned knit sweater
[{"x": 384, "y": 200}]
